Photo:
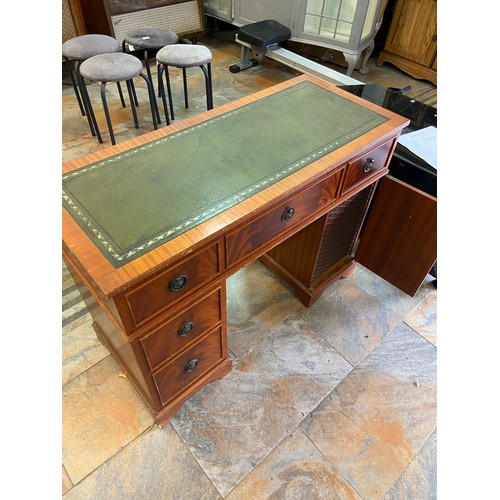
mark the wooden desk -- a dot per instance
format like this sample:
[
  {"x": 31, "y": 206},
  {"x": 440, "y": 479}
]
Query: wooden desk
[{"x": 153, "y": 227}]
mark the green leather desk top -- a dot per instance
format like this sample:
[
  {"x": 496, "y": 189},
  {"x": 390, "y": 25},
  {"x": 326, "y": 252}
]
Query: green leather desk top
[{"x": 135, "y": 201}]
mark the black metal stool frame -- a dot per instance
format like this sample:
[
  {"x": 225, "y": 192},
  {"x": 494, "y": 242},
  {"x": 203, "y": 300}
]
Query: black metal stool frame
[
  {"x": 78, "y": 84},
  {"x": 132, "y": 97},
  {"x": 163, "y": 69},
  {"x": 148, "y": 71}
]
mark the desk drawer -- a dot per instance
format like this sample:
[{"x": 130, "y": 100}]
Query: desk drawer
[
  {"x": 189, "y": 366},
  {"x": 183, "y": 330},
  {"x": 172, "y": 285},
  {"x": 365, "y": 167},
  {"x": 252, "y": 238}
]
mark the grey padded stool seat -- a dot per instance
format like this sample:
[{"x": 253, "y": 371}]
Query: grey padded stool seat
[
  {"x": 116, "y": 67},
  {"x": 184, "y": 56},
  {"x": 78, "y": 49},
  {"x": 149, "y": 38}
]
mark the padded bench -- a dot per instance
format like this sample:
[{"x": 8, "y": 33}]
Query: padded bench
[{"x": 260, "y": 35}]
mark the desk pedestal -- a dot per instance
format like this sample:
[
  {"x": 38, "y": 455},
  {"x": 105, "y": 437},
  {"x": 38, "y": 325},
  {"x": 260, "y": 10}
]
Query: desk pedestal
[{"x": 323, "y": 251}]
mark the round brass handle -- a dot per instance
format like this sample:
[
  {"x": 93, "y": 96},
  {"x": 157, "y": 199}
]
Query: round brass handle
[
  {"x": 185, "y": 328},
  {"x": 369, "y": 164},
  {"x": 287, "y": 214},
  {"x": 191, "y": 365},
  {"x": 177, "y": 282}
]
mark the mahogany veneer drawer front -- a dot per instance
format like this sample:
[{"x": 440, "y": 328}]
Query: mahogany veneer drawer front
[
  {"x": 253, "y": 237},
  {"x": 181, "y": 331},
  {"x": 189, "y": 366},
  {"x": 366, "y": 166},
  {"x": 173, "y": 284}
]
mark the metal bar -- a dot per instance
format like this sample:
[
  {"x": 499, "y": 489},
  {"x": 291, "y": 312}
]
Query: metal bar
[{"x": 305, "y": 65}]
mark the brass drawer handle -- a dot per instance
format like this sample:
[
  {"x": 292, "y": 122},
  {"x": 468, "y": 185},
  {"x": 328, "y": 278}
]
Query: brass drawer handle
[
  {"x": 177, "y": 282},
  {"x": 287, "y": 214},
  {"x": 185, "y": 328},
  {"x": 191, "y": 365},
  {"x": 368, "y": 165}
]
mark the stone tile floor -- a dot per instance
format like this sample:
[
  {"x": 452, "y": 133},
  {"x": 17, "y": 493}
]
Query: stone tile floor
[{"x": 337, "y": 401}]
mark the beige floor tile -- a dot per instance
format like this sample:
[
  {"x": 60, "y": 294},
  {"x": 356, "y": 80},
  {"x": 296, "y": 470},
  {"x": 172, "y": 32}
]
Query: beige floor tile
[
  {"x": 257, "y": 301},
  {"x": 76, "y": 323},
  {"x": 419, "y": 480},
  {"x": 156, "y": 465},
  {"x": 66, "y": 482},
  {"x": 373, "y": 424},
  {"x": 81, "y": 349},
  {"x": 235, "y": 422},
  {"x": 351, "y": 320},
  {"x": 423, "y": 319},
  {"x": 101, "y": 413},
  {"x": 295, "y": 469},
  {"x": 400, "y": 302}
]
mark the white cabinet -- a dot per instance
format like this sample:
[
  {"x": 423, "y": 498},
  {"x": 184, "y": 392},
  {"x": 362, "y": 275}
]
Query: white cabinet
[
  {"x": 348, "y": 26},
  {"x": 220, "y": 9}
]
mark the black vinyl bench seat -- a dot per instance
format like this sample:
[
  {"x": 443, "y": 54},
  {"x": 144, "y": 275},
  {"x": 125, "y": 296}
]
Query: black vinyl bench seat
[{"x": 263, "y": 34}]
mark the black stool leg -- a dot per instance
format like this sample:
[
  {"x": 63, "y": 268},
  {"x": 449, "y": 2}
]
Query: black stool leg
[
  {"x": 161, "y": 89},
  {"x": 106, "y": 112},
  {"x": 135, "y": 94},
  {"x": 94, "y": 129},
  {"x": 132, "y": 104},
  {"x": 125, "y": 50},
  {"x": 121, "y": 94},
  {"x": 184, "y": 82},
  {"x": 69, "y": 65},
  {"x": 146, "y": 63},
  {"x": 152, "y": 100},
  {"x": 122, "y": 99},
  {"x": 169, "y": 91},
  {"x": 158, "y": 71},
  {"x": 209, "y": 88},
  {"x": 208, "y": 85},
  {"x": 150, "y": 78}
]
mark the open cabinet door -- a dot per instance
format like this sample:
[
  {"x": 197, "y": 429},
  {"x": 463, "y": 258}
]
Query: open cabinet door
[{"x": 399, "y": 239}]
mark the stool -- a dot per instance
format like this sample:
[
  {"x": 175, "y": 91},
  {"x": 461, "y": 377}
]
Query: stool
[
  {"x": 78, "y": 49},
  {"x": 147, "y": 38},
  {"x": 184, "y": 56},
  {"x": 116, "y": 67}
]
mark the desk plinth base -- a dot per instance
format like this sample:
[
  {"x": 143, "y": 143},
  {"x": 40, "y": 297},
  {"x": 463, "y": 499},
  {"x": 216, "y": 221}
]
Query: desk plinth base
[{"x": 308, "y": 294}]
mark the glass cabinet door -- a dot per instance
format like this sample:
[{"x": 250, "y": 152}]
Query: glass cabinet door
[
  {"x": 252, "y": 11},
  {"x": 347, "y": 23},
  {"x": 221, "y": 9}
]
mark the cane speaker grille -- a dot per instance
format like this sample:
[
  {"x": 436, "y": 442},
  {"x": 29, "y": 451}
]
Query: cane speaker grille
[
  {"x": 342, "y": 227},
  {"x": 182, "y": 18}
]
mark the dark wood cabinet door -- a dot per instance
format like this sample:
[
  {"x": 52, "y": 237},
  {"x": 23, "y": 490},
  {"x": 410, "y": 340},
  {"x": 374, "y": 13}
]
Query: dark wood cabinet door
[{"x": 399, "y": 239}]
